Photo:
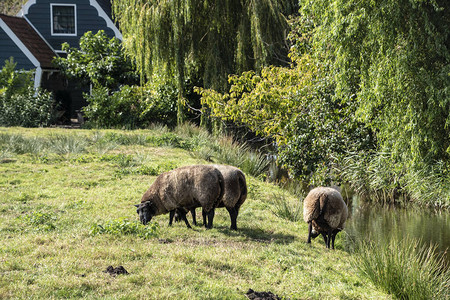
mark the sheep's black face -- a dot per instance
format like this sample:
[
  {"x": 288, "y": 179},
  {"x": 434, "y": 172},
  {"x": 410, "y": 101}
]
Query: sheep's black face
[
  {"x": 145, "y": 212},
  {"x": 314, "y": 233}
]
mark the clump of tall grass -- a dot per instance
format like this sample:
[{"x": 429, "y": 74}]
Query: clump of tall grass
[
  {"x": 21, "y": 145},
  {"x": 67, "y": 144},
  {"x": 404, "y": 268},
  {"x": 242, "y": 156},
  {"x": 285, "y": 208},
  {"x": 371, "y": 175},
  {"x": 122, "y": 138}
]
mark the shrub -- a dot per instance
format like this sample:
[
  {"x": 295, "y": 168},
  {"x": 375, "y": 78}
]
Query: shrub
[
  {"x": 131, "y": 106},
  {"x": 20, "y": 103}
]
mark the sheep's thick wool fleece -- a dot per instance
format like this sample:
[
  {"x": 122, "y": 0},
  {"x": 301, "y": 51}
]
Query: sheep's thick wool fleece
[
  {"x": 235, "y": 186},
  {"x": 184, "y": 187},
  {"x": 317, "y": 199}
]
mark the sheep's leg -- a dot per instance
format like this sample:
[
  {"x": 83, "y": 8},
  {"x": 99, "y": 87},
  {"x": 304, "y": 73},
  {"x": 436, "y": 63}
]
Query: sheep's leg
[
  {"x": 182, "y": 214},
  {"x": 325, "y": 238},
  {"x": 204, "y": 218},
  {"x": 210, "y": 218},
  {"x": 233, "y": 216},
  {"x": 333, "y": 237},
  {"x": 194, "y": 220},
  {"x": 329, "y": 237},
  {"x": 171, "y": 215},
  {"x": 309, "y": 232}
]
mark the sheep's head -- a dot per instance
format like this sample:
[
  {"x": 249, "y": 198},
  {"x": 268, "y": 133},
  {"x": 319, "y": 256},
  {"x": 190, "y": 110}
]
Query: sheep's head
[
  {"x": 314, "y": 233},
  {"x": 145, "y": 211}
]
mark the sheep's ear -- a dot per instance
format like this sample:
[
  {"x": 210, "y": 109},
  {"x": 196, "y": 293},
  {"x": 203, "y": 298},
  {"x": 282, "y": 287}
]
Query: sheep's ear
[{"x": 137, "y": 205}]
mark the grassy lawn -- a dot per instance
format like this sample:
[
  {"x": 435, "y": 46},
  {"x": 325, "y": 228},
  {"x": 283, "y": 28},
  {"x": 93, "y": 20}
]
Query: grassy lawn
[{"x": 52, "y": 197}]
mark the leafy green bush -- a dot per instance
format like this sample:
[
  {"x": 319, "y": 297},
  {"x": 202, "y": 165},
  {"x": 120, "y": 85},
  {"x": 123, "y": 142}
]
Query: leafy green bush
[
  {"x": 126, "y": 227},
  {"x": 20, "y": 103},
  {"x": 130, "y": 107}
]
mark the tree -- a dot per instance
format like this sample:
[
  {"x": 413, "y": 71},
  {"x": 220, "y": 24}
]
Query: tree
[
  {"x": 368, "y": 85},
  {"x": 100, "y": 61},
  {"x": 204, "y": 39},
  {"x": 394, "y": 58}
]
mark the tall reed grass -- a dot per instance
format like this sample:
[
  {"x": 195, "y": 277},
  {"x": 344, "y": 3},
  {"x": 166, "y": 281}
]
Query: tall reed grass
[
  {"x": 404, "y": 268},
  {"x": 378, "y": 178},
  {"x": 285, "y": 208}
]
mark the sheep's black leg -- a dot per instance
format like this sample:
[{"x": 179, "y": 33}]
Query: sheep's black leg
[
  {"x": 182, "y": 214},
  {"x": 171, "y": 215},
  {"x": 309, "y": 232},
  {"x": 329, "y": 234},
  {"x": 333, "y": 238},
  {"x": 204, "y": 218},
  {"x": 210, "y": 218},
  {"x": 325, "y": 238},
  {"x": 233, "y": 216},
  {"x": 194, "y": 220}
]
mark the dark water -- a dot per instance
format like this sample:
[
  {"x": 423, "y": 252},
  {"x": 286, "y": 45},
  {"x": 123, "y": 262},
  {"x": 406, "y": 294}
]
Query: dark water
[{"x": 382, "y": 223}]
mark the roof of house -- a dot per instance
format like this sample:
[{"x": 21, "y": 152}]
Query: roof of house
[{"x": 31, "y": 40}]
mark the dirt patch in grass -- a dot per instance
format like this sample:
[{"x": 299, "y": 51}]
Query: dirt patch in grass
[
  {"x": 251, "y": 294},
  {"x": 116, "y": 271}
]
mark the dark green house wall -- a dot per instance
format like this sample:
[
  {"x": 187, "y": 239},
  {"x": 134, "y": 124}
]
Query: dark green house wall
[
  {"x": 88, "y": 19},
  {"x": 9, "y": 49}
]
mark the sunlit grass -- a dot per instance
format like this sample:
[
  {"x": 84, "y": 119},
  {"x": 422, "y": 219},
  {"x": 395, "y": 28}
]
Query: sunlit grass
[{"x": 50, "y": 203}]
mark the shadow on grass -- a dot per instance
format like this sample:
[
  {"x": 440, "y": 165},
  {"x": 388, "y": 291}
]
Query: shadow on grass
[{"x": 258, "y": 235}]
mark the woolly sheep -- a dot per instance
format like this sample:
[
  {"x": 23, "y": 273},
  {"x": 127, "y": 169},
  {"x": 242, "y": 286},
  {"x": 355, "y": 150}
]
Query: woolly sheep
[
  {"x": 234, "y": 196},
  {"x": 197, "y": 185},
  {"x": 325, "y": 212}
]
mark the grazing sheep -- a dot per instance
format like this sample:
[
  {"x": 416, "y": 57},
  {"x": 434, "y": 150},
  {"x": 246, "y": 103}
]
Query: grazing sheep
[
  {"x": 234, "y": 196},
  {"x": 325, "y": 212},
  {"x": 198, "y": 185}
]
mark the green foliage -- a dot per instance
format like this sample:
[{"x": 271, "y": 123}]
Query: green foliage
[
  {"x": 205, "y": 40},
  {"x": 20, "y": 103},
  {"x": 295, "y": 107},
  {"x": 99, "y": 60},
  {"x": 124, "y": 226},
  {"x": 365, "y": 78},
  {"x": 131, "y": 106},
  {"x": 11, "y": 7},
  {"x": 394, "y": 57},
  {"x": 404, "y": 269}
]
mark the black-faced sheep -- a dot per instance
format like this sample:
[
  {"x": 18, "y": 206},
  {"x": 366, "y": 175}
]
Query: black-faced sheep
[
  {"x": 325, "y": 212},
  {"x": 190, "y": 186},
  {"x": 234, "y": 196}
]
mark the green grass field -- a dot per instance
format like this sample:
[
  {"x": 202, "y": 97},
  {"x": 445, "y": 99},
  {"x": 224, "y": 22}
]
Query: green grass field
[{"x": 57, "y": 186}]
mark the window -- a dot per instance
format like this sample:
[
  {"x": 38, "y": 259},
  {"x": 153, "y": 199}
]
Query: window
[{"x": 63, "y": 19}]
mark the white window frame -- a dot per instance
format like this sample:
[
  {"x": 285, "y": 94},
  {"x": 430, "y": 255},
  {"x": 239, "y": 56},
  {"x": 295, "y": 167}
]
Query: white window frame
[{"x": 51, "y": 19}]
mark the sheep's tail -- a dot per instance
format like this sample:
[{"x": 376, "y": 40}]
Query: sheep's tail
[
  {"x": 323, "y": 201},
  {"x": 311, "y": 210}
]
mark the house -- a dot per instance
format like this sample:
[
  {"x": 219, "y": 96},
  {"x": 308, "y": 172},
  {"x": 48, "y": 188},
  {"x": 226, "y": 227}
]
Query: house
[{"x": 36, "y": 34}]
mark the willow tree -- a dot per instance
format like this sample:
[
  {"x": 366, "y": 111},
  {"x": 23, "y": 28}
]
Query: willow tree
[{"x": 201, "y": 38}]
